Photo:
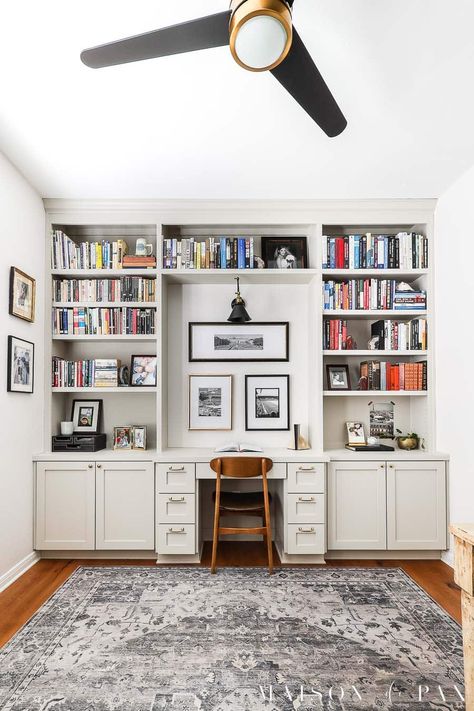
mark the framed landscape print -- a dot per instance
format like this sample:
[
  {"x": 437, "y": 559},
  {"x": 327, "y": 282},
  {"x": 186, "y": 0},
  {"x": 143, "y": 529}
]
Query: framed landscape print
[
  {"x": 143, "y": 371},
  {"x": 267, "y": 402},
  {"x": 21, "y": 365},
  {"x": 86, "y": 416},
  {"x": 22, "y": 295},
  {"x": 210, "y": 402},
  {"x": 231, "y": 342},
  {"x": 285, "y": 252}
]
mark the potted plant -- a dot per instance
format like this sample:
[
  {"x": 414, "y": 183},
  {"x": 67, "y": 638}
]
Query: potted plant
[{"x": 408, "y": 441}]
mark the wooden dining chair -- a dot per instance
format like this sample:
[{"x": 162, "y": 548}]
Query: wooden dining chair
[{"x": 232, "y": 503}]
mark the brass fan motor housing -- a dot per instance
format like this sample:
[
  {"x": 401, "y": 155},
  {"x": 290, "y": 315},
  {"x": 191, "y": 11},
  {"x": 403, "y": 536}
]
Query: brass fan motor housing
[{"x": 243, "y": 10}]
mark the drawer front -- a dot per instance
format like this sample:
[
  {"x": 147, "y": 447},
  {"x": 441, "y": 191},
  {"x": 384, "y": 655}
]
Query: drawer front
[
  {"x": 306, "y": 539},
  {"x": 176, "y": 508},
  {"x": 176, "y": 539},
  {"x": 306, "y": 508},
  {"x": 176, "y": 478},
  {"x": 204, "y": 471},
  {"x": 306, "y": 477}
]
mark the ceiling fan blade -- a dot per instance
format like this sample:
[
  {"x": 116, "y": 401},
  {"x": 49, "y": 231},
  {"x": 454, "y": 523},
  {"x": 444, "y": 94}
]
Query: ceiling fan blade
[
  {"x": 203, "y": 33},
  {"x": 302, "y": 79}
]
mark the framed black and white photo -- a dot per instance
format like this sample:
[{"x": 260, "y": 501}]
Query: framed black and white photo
[
  {"x": 86, "y": 416},
  {"x": 232, "y": 342},
  {"x": 285, "y": 252},
  {"x": 21, "y": 365},
  {"x": 139, "y": 437},
  {"x": 267, "y": 402},
  {"x": 210, "y": 402},
  {"x": 338, "y": 377},
  {"x": 22, "y": 295},
  {"x": 143, "y": 371}
]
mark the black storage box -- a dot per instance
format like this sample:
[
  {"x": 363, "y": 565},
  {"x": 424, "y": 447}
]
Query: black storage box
[{"x": 79, "y": 443}]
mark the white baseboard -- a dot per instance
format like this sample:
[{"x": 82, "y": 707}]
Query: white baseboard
[{"x": 18, "y": 569}]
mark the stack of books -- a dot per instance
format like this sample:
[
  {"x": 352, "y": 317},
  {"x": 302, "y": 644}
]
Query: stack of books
[
  {"x": 210, "y": 253},
  {"x": 125, "y": 288},
  {"x": 381, "y": 375},
  {"x": 106, "y": 372},
  {"x": 82, "y": 321},
  {"x": 84, "y": 373},
  {"x": 409, "y": 300},
  {"x": 402, "y": 251},
  {"x": 396, "y": 336},
  {"x": 66, "y": 254},
  {"x": 130, "y": 261}
]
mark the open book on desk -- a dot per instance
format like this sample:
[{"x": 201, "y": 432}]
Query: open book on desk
[{"x": 238, "y": 447}]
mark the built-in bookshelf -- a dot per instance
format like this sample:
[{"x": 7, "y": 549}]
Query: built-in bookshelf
[{"x": 176, "y": 294}]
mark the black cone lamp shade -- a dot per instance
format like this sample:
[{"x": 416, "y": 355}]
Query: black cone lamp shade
[{"x": 239, "y": 313}]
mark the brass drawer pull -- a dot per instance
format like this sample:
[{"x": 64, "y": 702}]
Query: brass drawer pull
[
  {"x": 176, "y": 530},
  {"x": 307, "y": 500},
  {"x": 176, "y": 499},
  {"x": 306, "y": 530},
  {"x": 306, "y": 469},
  {"x": 176, "y": 469}
]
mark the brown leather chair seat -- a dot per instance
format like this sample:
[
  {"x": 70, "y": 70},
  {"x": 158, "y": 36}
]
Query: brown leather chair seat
[{"x": 241, "y": 501}]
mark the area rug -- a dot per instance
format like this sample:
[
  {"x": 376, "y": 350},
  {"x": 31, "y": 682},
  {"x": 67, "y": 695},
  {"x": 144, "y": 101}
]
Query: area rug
[{"x": 180, "y": 639}]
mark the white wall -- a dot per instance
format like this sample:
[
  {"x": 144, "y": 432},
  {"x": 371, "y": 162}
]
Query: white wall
[
  {"x": 455, "y": 342},
  {"x": 21, "y": 415}
]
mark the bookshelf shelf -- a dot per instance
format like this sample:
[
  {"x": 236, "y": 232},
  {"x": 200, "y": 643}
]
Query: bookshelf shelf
[
  {"x": 374, "y": 313},
  {"x": 102, "y": 273},
  {"x": 375, "y": 393},
  {"x": 122, "y": 390},
  {"x": 375, "y": 354},
  {"x": 402, "y": 274},
  {"x": 246, "y": 276},
  {"x": 105, "y": 304},
  {"x": 106, "y": 338}
]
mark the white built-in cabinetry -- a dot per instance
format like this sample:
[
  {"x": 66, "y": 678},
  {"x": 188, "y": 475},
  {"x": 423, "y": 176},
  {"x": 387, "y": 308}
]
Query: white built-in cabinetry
[{"x": 375, "y": 505}]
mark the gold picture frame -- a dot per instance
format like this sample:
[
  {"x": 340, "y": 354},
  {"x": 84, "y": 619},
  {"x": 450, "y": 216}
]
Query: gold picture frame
[{"x": 22, "y": 302}]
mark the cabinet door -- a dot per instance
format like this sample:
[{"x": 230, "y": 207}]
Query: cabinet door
[
  {"x": 357, "y": 506},
  {"x": 416, "y": 505},
  {"x": 65, "y": 506},
  {"x": 125, "y": 506}
]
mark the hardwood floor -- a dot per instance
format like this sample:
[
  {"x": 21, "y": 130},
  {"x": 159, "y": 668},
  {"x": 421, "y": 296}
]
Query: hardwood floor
[{"x": 22, "y": 599}]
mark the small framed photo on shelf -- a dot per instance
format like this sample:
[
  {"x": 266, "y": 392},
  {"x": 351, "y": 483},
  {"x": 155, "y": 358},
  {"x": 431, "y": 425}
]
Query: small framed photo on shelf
[
  {"x": 21, "y": 365},
  {"x": 86, "y": 416},
  {"x": 239, "y": 342},
  {"x": 22, "y": 295},
  {"x": 285, "y": 252},
  {"x": 139, "y": 437},
  {"x": 267, "y": 402},
  {"x": 123, "y": 437},
  {"x": 338, "y": 377},
  {"x": 355, "y": 433},
  {"x": 143, "y": 371},
  {"x": 210, "y": 402}
]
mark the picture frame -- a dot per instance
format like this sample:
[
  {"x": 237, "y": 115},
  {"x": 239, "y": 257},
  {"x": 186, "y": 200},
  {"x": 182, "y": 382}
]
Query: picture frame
[
  {"x": 267, "y": 403},
  {"x": 285, "y": 252},
  {"x": 20, "y": 365},
  {"x": 143, "y": 371},
  {"x": 214, "y": 341},
  {"x": 123, "y": 438},
  {"x": 22, "y": 296},
  {"x": 210, "y": 402},
  {"x": 355, "y": 433},
  {"x": 338, "y": 377},
  {"x": 86, "y": 416},
  {"x": 139, "y": 437}
]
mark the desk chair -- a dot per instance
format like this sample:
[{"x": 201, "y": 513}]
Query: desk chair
[{"x": 246, "y": 503}]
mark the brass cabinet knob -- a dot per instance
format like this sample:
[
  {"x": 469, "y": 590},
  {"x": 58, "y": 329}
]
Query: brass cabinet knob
[
  {"x": 90, "y": 466},
  {"x": 99, "y": 466}
]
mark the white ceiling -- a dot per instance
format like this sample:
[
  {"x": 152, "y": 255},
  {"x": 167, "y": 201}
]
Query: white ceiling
[{"x": 198, "y": 126}]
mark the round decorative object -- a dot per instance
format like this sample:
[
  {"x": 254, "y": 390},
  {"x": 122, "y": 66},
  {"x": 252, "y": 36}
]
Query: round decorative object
[
  {"x": 408, "y": 443},
  {"x": 124, "y": 375},
  {"x": 260, "y": 33},
  {"x": 372, "y": 441}
]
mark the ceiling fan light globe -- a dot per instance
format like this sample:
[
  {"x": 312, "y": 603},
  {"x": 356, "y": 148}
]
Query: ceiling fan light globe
[{"x": 260, "y": 34}]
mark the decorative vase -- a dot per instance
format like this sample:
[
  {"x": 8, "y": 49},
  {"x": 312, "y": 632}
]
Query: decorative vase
[{"x": 408, "y": 443}]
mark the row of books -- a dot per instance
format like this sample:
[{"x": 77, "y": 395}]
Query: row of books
[
  {"x": 80, "y": 321},
  {"x": 391, "y": 335},
  {"x": 97, "y": 373},
  {"x": 103, "y": 254},
  {"x": 128, "y": 288},
  {"x": 381, "y": 375},
  {"x": 406, "y": 250},
  {"x": 356, "y": 294},
  {"x": 210, "y": 253}
]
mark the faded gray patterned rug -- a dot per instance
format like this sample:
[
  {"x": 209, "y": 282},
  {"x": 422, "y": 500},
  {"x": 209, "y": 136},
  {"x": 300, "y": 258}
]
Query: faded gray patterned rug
[{"x": 147, "y": 639}]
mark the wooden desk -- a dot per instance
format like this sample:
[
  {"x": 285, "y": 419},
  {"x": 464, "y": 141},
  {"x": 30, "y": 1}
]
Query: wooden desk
[{"x": 464, "y": 576}]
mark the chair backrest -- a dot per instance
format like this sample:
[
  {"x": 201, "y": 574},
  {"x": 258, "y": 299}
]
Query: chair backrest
[{"x": 241, "y": 467}]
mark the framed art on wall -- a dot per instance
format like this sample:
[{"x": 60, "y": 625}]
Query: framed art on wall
[
  {"x": 143, "y": 371},
  {"x": 22, "y": 295},
  {"x": 21, "y": 365},
  {"x": 244, "y": 342},
  {"x": 267, "y": 402},
  {"x": 86, "y": 416},
  {"x": 285, "y": 252},
  {"x": 210, "y": 402}
]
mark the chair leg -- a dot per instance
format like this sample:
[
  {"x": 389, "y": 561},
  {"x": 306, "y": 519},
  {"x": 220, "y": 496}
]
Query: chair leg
[
  {"x": 267, "y": 537},
  {"x": 215, "y": 540}
]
